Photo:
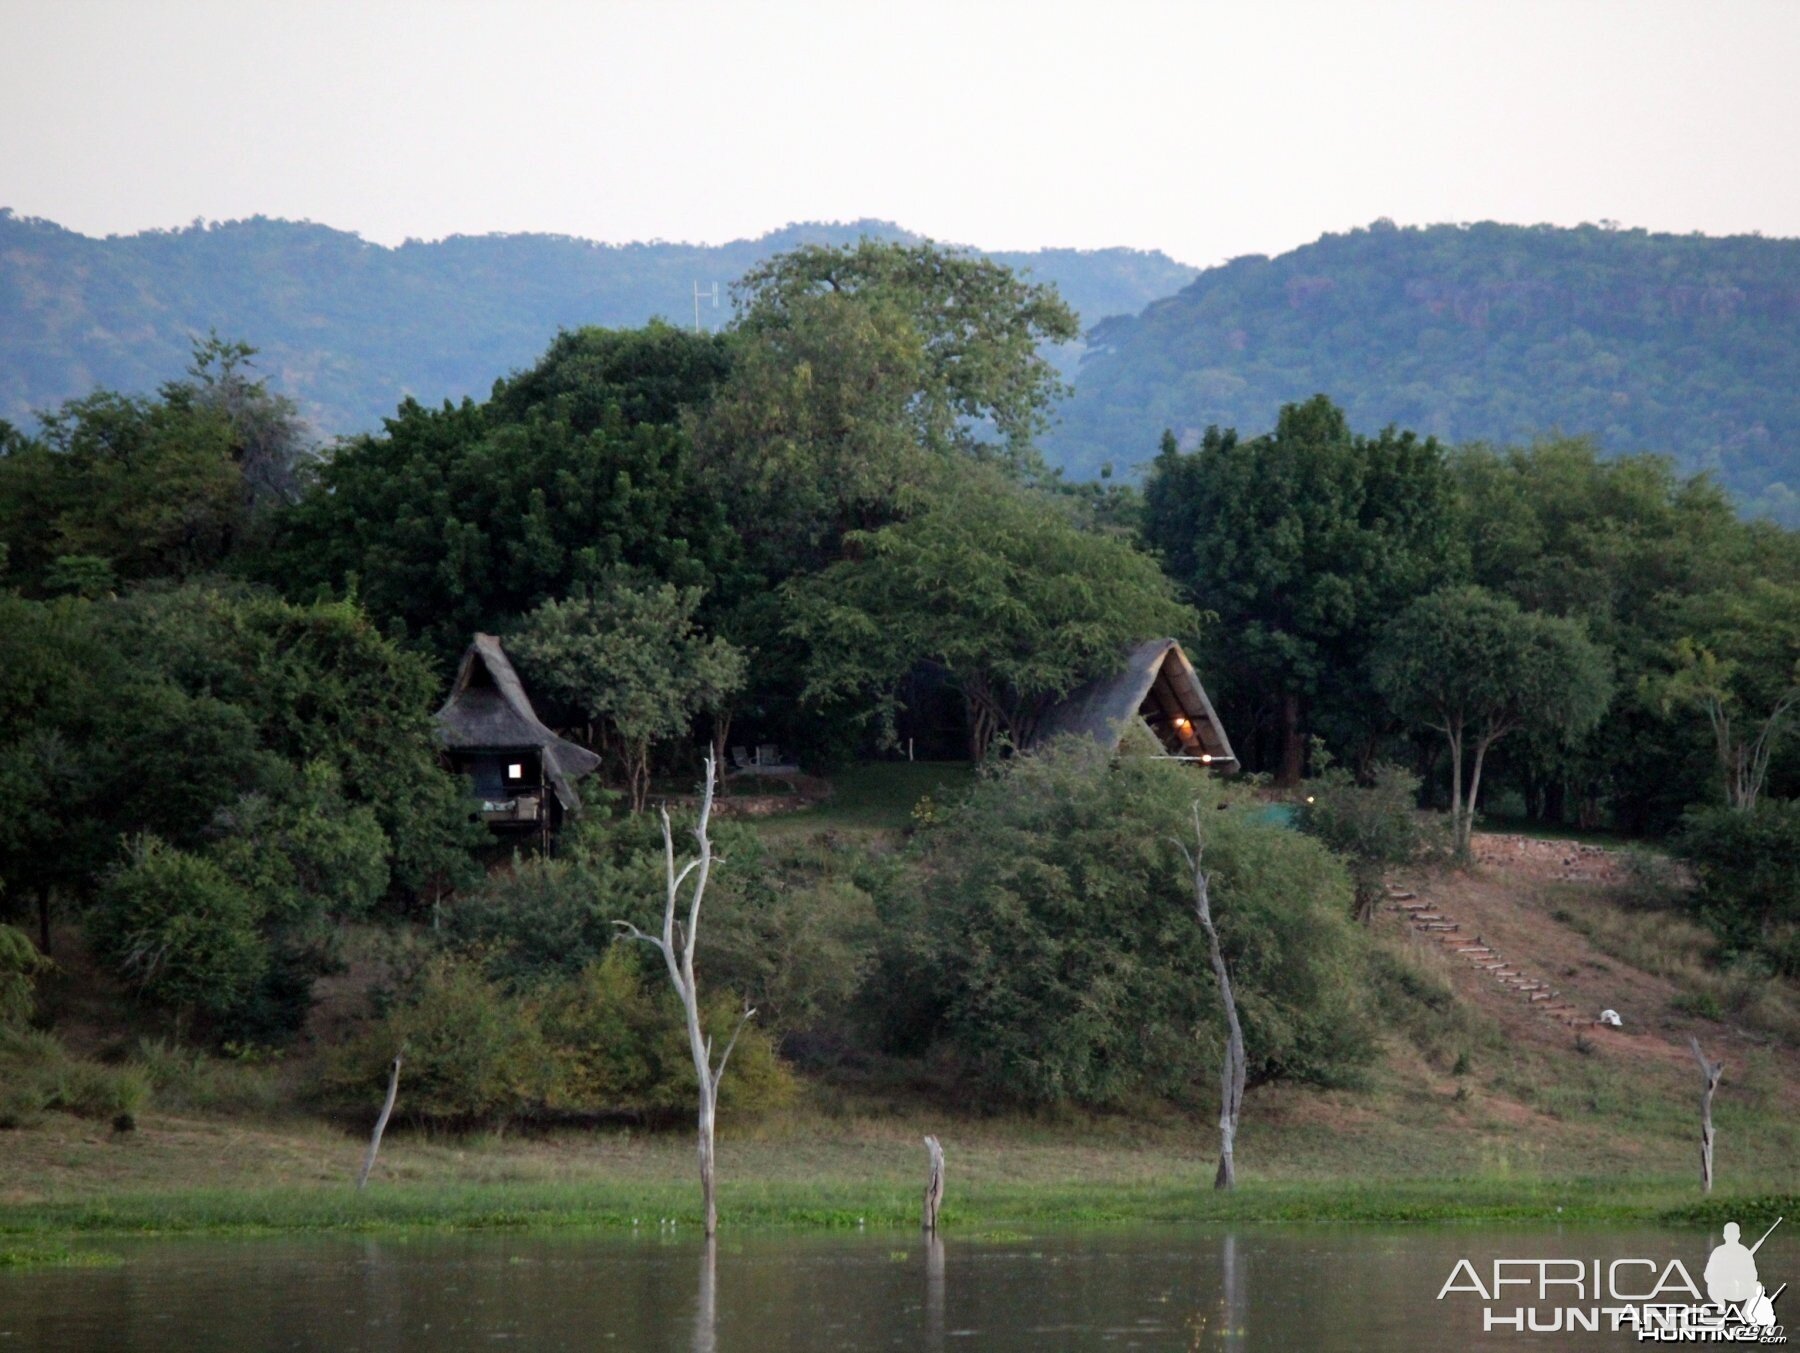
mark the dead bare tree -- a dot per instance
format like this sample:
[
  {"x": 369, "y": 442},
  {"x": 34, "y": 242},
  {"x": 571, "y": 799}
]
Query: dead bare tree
[
  {"x": 387, "y": 1110},
  {"x": 1231, "y": 1073},
  {"x": 1710, "y": 1073},
  {"x": 934, "y": 1184},
  {"x": 676, "y": 944}
]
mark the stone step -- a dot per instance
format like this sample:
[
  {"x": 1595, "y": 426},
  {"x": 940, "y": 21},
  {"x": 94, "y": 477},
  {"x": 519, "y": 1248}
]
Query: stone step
[{"x": 1439, "y": 925}]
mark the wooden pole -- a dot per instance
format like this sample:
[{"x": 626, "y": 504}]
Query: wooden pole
[
  {"x": 934, "y": 1184},
  {"x": 1710, "y": 1072},
  {"x": 381, "y": 1123}
]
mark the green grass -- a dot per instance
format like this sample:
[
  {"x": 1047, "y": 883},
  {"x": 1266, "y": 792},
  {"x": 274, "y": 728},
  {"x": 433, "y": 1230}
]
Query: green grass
[
  {"x": 827, "y": 1205},
  {"x": 1510, "y": 825},
  {"x": 877, "y": 796}
]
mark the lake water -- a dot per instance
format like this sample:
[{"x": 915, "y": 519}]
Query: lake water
[{"x": 1290, "y": 1287}]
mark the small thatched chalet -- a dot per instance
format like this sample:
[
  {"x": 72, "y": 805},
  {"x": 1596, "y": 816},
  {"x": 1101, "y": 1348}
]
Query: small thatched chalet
[
  {"x": 1157, "y": 685},
  {"x": 522, "y": 773}
]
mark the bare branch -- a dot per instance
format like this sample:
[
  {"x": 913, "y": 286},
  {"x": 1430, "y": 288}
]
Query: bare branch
[{"x": 749, "y": 1010}]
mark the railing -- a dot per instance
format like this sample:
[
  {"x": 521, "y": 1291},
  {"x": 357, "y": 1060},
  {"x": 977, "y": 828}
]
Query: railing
[{"x": 519, "y": 808}]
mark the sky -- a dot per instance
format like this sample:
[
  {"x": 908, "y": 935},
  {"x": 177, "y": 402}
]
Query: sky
[{"x": 1204, "y": 130}]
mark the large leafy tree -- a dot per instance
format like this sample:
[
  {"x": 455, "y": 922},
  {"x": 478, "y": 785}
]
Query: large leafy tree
[
  {"x": 994, "y": 585},
  {"x": 1304, "y": 541},
  {"x": 1739, "y": 665},
  {"x": 1476, "y": 668},
  {"x": 1624, "y": 545},
  {"x": 632, "y": 659},
  {"x": 984, "y": 384},
  {"x": 861, "y": 372},
  {"x": 462, "y": 518},
  {"x": 122, "y": 488}
]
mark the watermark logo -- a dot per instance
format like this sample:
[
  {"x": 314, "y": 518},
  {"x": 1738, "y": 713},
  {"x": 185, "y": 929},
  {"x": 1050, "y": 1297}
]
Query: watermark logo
[{"x": 1659, "y": 1302}]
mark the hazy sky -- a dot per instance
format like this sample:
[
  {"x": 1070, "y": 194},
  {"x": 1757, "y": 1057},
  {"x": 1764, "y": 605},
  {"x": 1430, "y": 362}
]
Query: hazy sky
[{"x": 1207, "y": 130}]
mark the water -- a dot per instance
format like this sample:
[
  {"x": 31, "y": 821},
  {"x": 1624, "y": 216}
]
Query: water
[{"x": 1298, "y": 1287}]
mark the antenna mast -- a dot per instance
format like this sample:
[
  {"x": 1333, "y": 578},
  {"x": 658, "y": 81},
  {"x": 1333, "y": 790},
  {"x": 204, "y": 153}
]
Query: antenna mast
[{"x": 700, "y": 295}]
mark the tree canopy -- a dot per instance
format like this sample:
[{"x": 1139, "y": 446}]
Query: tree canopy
[{"x": 994, "y": 587}]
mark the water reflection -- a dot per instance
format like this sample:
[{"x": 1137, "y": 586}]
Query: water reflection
[
  {"x": 934, "y": 1290},
  {"x": 706, "y": 1310},
  {"x": 1317, "y": 1288}
]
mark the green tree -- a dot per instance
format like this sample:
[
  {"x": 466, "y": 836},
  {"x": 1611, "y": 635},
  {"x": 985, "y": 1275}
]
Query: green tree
[
  {"x": 463, "y": 518},
  {"x": 632, "y": 659},
  {"x": 998, "y": 588},
  {"x": 1747, "y": 866},
  {"x": 984, "y": 383},
  {"x": 1305, "y": 542},
  {"x": 1476, "y": 668},
  {"x": 1741, "y": 667},
  {"x": 1047, "y": 938},
  {"x": 1373, "y": 828}
]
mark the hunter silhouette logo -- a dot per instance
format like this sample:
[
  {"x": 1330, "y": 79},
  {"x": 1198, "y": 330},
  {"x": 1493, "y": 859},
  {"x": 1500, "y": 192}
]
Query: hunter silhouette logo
[
  {"x": 1731, "y": 1278},
  {"x": 1657, "y": 1300}
]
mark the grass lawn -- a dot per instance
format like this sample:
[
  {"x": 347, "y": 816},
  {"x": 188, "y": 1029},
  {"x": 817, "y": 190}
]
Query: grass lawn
[{"x": 876, "y": 796}]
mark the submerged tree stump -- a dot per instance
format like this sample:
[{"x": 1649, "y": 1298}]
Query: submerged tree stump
[
  {"x": 1710, "y": 1073},
  {"x": 387, "y": 1110},
  {"x": 934, "y": 1184}
]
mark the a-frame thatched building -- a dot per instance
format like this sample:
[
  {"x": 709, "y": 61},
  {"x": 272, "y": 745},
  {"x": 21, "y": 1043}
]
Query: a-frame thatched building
[
  {"x": 522, "y": 774},
  {"x": 1158, "y": 686}
]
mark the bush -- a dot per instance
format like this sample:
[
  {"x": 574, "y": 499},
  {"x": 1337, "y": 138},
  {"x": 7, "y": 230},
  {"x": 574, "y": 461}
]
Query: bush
[
  {"x": 38, "y": 1075},
  {"x": 1747, "y": 867},
  {"x": 612, "y": 1040},
  {"x": 180, "y": 929},
  {"x": 1372, "y": 828},
  {"x": 1048, "y": 937},
  {"x": 619, "y": 1040},
  {"x": 20, "y": 966},
  {"x": 191, "y": 1079},
  {"x": 473, "y": 1052},
  {"x": 789, "y": 927}
]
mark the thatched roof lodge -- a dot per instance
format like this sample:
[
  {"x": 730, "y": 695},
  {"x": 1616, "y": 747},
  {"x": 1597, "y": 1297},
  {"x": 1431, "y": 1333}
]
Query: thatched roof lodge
[
  {"x": 523, "y": 773},
  {"x": 1157, "y": 685}
]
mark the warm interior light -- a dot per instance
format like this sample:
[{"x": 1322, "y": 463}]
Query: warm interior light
[{"x": 516, "y": 771}]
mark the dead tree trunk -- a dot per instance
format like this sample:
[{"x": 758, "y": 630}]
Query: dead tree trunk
[
  {"x": 387, "y": 1110},
  {"x": 676, "y": 945},
  {"x": 934, "y": 1184},
  {"x": 1231, "y": 1073},
  {"x": 1710, "y": 1073}
]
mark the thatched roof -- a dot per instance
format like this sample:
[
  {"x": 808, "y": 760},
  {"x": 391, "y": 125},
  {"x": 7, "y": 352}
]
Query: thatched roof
[
  {"x": 1158, "y": 685},
  {"x": 488, "y": 711}
]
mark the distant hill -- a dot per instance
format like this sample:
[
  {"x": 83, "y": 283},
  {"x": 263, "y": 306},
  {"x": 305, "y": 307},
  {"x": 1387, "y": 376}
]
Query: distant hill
[
  {"x": 1680, "y": 344},
  {"x": 348, "y": 328}
]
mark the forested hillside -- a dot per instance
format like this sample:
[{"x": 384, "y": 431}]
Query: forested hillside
[
  {"x": 348, "y": 329},
  {"x": 1685, "y": 345}
]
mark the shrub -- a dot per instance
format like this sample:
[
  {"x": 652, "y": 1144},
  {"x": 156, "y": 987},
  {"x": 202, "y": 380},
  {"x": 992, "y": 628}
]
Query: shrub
[
  {"x": 20, "y": 966},
  {"x": 1372, "y": 828},
  {"x": 1048, "y": 937},
  {"x": 180, "y": 929},
  {"x": 1747, "y": 866},
  {"x": 473, "y": 1052},
  {"x": 191, "y": 1079},
  {"x": 37, "y": 1074},
  {"x": 619, "y": 1040}
]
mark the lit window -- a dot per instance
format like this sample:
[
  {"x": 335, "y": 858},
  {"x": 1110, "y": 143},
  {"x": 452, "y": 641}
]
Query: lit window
[{"x": 516, "y": 771}]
